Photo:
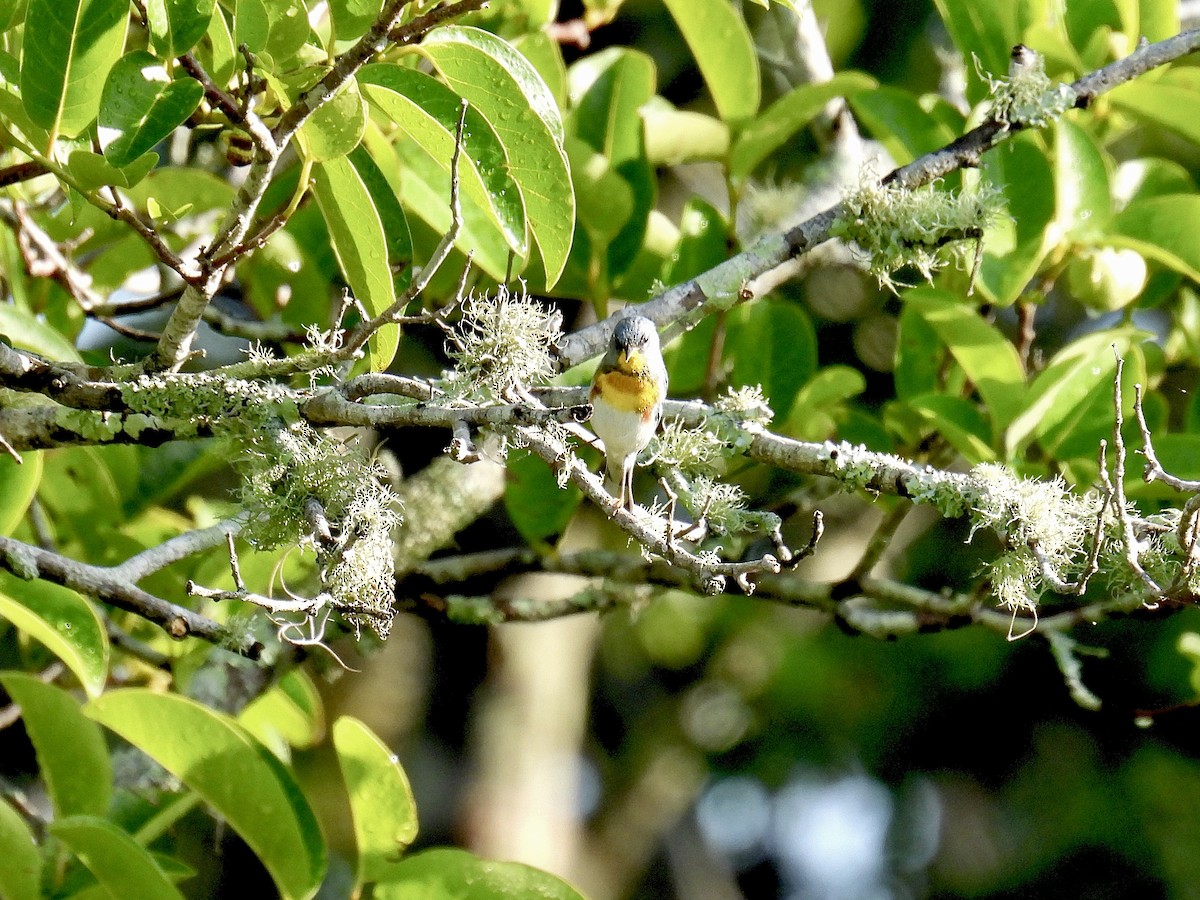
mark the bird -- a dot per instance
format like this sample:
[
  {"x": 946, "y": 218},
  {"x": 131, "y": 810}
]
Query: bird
[{"x": 627, "y": 396}]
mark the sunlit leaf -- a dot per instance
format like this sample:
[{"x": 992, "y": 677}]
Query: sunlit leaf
[
  {"x": 449, "y": 874},
  {"x": 337, "y": 125},
  {"x": 987, "y": 357},
  {"x": 120, "y": 864},
  {"x": 501, "y": 84},
  {"x": 68, "y": 48},
  {"x": 724, "y": 51},
  {"x": 782, "y": 119},
  {"x": 66, "y": 623},
  {"x": 773, "y": 345},
  {"x": 1165, "y": 228},
  {"x": 18, "y": 485},
  {"x": 381, "y": 802},
  {"x": 236, "y": 775},
  {"x": 1081, "y": 181},
  {"x": 177, "y": 25},
  {"x": 72, "y": 756},
  {"x": 897, "y": 120},
  {"x": 983, "y": 31},
  {"x": 141, "y": 105},
  {"x": 352, "y": 17},
  {"x": 290, "y": 714},
  {"x": 356, "y": 233},
  {"x": 21, "y": 874},
  {"x": 429, "y": 113}
]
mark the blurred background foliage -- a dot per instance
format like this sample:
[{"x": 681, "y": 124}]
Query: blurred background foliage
[{"x": 734, "y": 747}]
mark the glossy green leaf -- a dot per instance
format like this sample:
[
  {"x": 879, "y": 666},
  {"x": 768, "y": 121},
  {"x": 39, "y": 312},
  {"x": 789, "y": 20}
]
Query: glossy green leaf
[
  {"x": 381, "y": 801},
  {"x": 545, "y": 54},
  {"x": 701, "y": 245},
  {"x": 18, "y": 485},
  {"x": 675, "y": 136},
  {"x": 604, "y": 200},
  {"x": 336, "y": 127},
  {"x": 351, "y": 18},
  {"x": 1072, "y": 376},
  {"x": 141, "y": 105},
  {"x": 1158, "y": 19},
  {"x": 1081, "y": 181},
  {"x": 987, "y": 357},
  {"x": 535, "y": 503},
  {"x": 1083, "y": 20},
  {"x": 289, "y": 714},
  {"x": 1165, "y": 228},
  {"x": 120, "y": 864},
  {"x": 960, "y": 422},
  {"x": 501, "y": 84},
  {"x": 818, "y": 402},
  {"x": 237, "y": 776},
  {"x": 68, "y": 48},
  {"x": 66, "y": 623},
  {"x": 984, "y": 31},
  {"x": 772, "y": 344},
  {"x": 1160, "y": 103},
  {"x": 1015, "y": 244},
  {"x": 897, "y": 120},
  {"x": 429, "y": 113},
  {"x": 1141, "y": 179},
  {"x": 177, "y": 25},
  {"x": 92, "y": 170},
  {"x": 608, "y": 90},
  {"x": 21, "y": 874},
  {"x": 786, "y": 116},
  {"x": 217, "y": 53},
  {"x": 391, "y": 214},
  {"x": 277, "y": 28},
  {"x": 356, "y": 233},
  {"x": 724, "y": 51},
  {"x": 71, "y": 752},
  {"x": 449, "y": 874}
]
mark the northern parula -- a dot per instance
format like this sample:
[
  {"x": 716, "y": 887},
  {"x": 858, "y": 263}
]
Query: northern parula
[{"x": 627, "y": 401}]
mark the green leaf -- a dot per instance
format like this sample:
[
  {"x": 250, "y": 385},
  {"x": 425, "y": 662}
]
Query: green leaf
[
  {"x": 676, "y": 136},
  {"x": 898, "y": 121},
  {"x": 21, "y": 874},
  {"x": 391, "y": 214},
  {"x": 545, "y": 54},
  {"x": 290, "y": 714},
  {"x": 356, "y": 233},
  {"x": 381, "y": 801},
  {"x": 429, "y": 112},
  {"x": 701, "y": 245},
  {"x": 233, "y": 773},
  {"x": 538, "y": 507},
  {"x": 1165, "y": 228},
  {"x": 960, "y": 422},
  {"x": 217, "y": 54},
  {"x": 1075, "y": 375},
  {"x": 1158, "y": 19},
  {"x": 120, "y": 864},
  {"x": 351, "y": 18},
  {"x": 336, "y": 127},
  {"x": 502, "y": 85},
  {"x": 1160, "y": 102},
  {"x": 604, "y": 200},
  {"x": 141, "y": 105},
  {"x": 177, "y": 25},
  {"x": 72, "y": 756},
  {"x": 91, "y": 170},
  {"x": 987, "y": 357},
  {"x": 277, "y": 28},
  {"x": 449, "y": 874},
  {"x": 68, "y": 48},
  {"x": 724, "y": 51},
  {"x": 786, "y": 116},
  {"x": 986, "y": 31},
  {"x": 1015, "y": 244},
  {"x": 18, "y": 485},
  {"x": 812, "y": 417},
  {"x": 608, "y": 90},
  {"x": 1081, "y": 182},
  {"x": 66, "y": 623},
  {"x": 772, "y": 344}
]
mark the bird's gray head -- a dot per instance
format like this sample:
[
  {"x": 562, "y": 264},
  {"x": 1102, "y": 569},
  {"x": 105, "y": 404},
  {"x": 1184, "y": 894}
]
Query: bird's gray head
[{"x": 634, "y": 332}]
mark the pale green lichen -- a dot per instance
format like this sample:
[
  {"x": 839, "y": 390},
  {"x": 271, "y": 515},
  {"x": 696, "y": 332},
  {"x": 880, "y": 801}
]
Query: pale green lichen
[
  {"x": 1026, "y": 97},
  {"x": 502, "y": 345},
  {"x": 895, "y": 228}
]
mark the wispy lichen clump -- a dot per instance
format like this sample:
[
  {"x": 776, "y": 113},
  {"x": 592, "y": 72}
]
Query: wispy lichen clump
[
  {"x": 1026, "y": 97},
  {"x": 502, "y": 345},
  {"x": 1031, "y": 515},
  {"x": 896, "y": 228}
]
